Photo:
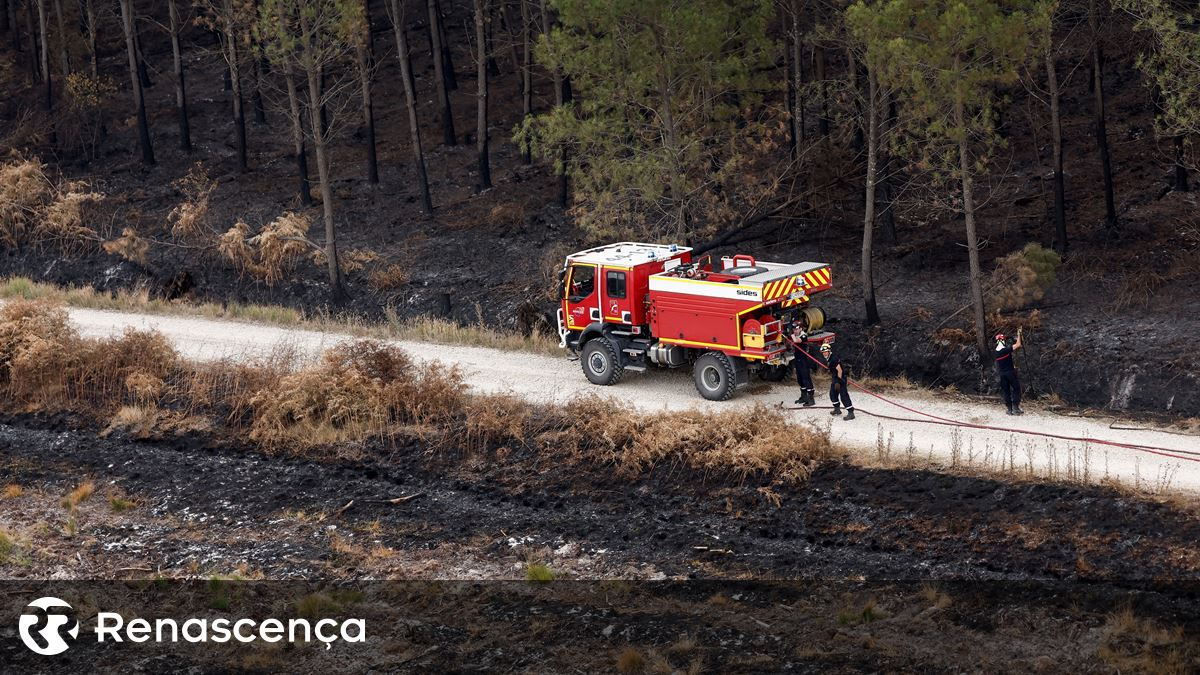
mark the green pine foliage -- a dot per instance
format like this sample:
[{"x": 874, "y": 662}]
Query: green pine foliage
[
  {"x": 1173, "y": 63},
  {"x": 669, "y": 125}
]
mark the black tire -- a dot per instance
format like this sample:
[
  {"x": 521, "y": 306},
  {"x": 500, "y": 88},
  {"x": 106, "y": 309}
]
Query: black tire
[
  {"x": 773, "y": 373},
  {"x": 601, "y": 363},
  {"x": 715, "y": 377}
]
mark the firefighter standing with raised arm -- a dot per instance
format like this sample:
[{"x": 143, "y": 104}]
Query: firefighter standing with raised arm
[
  {"x": 839, "y": 391},
  {"x": 1010, "y": 382},
  {"x": 803, "y": 363}
]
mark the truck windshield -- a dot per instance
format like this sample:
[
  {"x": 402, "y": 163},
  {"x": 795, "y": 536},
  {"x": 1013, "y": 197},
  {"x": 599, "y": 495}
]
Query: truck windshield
[{"x": 583, "y": 282}]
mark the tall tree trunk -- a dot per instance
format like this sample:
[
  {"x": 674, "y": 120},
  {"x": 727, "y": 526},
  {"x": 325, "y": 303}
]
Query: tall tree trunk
[
  {"x": 35, "y": 68},
  {"x": 143, "y": 68},
  {"x": 92, "y": 34},
  {"x": 320, "y": 140},
  {"x": 257, "y": 71},
  {"x": 410, "y": 100},
  {"x": 63, "y": 56},
  {"x": 1110, "y": 208},
  {"x": 823, "y": 119},
  {"x": 45, "y": 55},
  {"x": 1060, "y": 192},
  {"x": 439, "y": 75},
  {"x": 562, "y": 94},
  {"x": 447, "y": 58},
  {"x": 964, "y": 165},
  {"x": 363, "y": 61},
  {"x": 1181, "y": 172},
  {"x": 481, "y": 96},
  {"x": 139, "y": 100},
  {"x": 872, "y": 133},
  {"x": 235, "y": 80},
  {"x": 5, "y": 23},
  {"x": 298, "y": 144},
  {"x": 796, "y": 77},
  {"x": 185, "y": 132},
  {"x": 526, "y": 75},
  {"x": 506, "y": 20},
  {"x": 10, "y": 16},
  {"x": 887, "y": 215}
]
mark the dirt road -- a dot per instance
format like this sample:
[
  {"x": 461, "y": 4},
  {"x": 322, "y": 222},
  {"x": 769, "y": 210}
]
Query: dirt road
[{"x": 548, "y": 379}]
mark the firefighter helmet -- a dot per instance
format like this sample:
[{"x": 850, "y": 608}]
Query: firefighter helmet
[
  {"x": 1001, "y": 337},
  {"x": 827, "y": 347}
]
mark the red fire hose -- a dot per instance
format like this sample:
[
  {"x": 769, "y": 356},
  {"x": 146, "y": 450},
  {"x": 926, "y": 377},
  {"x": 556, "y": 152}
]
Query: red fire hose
[{"x": 1185, "y": 455}]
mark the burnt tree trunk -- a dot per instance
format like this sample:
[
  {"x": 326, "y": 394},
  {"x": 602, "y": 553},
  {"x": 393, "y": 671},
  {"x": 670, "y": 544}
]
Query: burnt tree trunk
[
  {"x": 410, "y": 101},
  {"x": 139, "y": 100},
  {"x": 143, "y": 69},
  {"x": 44, "y": 53},
  {"x": 316, "y": 98},
  {"x": 823, "y": 119},
  {"x": 362, "y": 52},
  {"x": 444, "y": 49},
  {"x": 1181, "y": 172},
  {"x": 235, "y": 79},
  {"x": 299, "y": 146},
  {"x": 872, "y": 134},
  {"x": 1060, "y": 190},
  {"x": 1110, "y": 209},
  {"x": 439, "y": 74},
  {"x": 92, "y": 35},
  {"x": 63, "y": 56},
  {"x": 526, "y": 76},
  {"x": 185, "y": 133},
  {"x": 481, "y": 96}
]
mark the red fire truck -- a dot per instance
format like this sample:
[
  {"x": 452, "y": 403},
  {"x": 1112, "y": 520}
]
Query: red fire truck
[{"x": 630, "y": 306}]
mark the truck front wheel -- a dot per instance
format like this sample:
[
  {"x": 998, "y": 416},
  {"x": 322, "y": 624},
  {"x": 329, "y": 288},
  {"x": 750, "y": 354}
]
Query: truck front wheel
[
  {"x": 601, "y": 364},
  {"x": 715, "y": 376}
]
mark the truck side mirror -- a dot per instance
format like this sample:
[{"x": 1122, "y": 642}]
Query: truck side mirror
[{"x": 562, "y": 283}]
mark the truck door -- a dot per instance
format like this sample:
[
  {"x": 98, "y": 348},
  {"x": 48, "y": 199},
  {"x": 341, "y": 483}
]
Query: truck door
[
  {"x": 581, "y": 305},
  {"x": 616, "y": 302}
]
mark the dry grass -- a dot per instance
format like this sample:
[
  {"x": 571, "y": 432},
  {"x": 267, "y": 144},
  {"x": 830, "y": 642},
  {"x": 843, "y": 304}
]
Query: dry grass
[
  {"x": 746, "y": 442},
  {"x": 272, "y": 254},
  {"x": 37, "y": 209},
  {"x": 79, "y": 495},
  {"x": 366, "y": 391},
  {"x": 130, "y": 246},
  {"x": 630, "y": 661},
  {"x": 1135, "y": 645},
  {"x": 8, "y": 546},
  {"x": 11, "y": 491},
  {"x": 388, "y": 279}
]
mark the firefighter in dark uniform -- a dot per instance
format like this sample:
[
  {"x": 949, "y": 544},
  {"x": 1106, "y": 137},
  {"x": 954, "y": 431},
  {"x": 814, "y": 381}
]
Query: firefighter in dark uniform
[
  {"x": 804, "y": 363},
  {"x": 1010, "y": 382},
  {"x": 839, "y": 389}
]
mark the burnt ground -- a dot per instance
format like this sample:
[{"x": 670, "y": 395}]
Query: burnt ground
[
  {"x": 857, "y": 569},
  {"x": 485, "y": 516},
  {"x": 1116, "y": 332}
]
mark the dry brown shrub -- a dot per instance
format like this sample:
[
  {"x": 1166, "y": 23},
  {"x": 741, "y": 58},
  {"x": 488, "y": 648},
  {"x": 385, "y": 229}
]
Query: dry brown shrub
[
  {"x": 954, "y": 336},
  {"x": 24, "y": 191},
  {"x": 189, "y": 219},
  {"x": 356, "y": 259},
  {"x": 495, "y": 420},
  {"x": 390, "y": 278},
  {"x": 143, "y": 385},
  {"x": 38, "y": 347},
  {"x": 105, "y": 365},
  {"x": 36, "y": 209},
  {"x": 62, "y": 223},
  {"x": 271, "y": 254},
  {"x": 130, "y": 246},
  {"x": 360, "y": 389},
  {"x": 507, "y": 215},
  {"x": 744, "y": 443}
]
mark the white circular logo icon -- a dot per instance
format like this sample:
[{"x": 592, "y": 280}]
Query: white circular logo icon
[{"x": 46, "y": 625}]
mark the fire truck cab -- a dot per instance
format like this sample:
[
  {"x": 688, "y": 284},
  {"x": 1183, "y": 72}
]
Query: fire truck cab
[{"x": 629, "y": 306}]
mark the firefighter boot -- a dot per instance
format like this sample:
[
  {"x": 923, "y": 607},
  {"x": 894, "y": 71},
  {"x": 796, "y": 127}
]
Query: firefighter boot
[
  {"x": 849, "y": 414},
  {"x": 837, "y": 410},
  {"x": 1017, "y": 410},
  {"x": 810, "y": 398}
]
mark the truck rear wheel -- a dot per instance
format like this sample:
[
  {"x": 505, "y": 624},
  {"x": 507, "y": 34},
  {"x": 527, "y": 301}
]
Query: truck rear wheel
[
  {"x": 601, "y": 364},
  {"x": 715, "y": 376}
]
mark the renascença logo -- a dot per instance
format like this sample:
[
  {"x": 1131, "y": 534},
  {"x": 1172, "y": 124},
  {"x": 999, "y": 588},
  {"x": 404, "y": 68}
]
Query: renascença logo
[
  {"x": 46, "y": 625},
  {"x": 48, "y": 622}
]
